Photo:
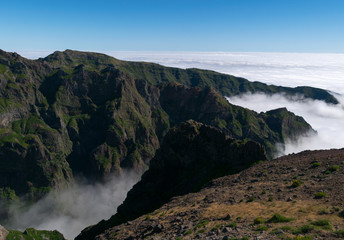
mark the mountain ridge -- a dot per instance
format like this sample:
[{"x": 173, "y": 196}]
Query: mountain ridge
[{"x": 87, "y": 113}]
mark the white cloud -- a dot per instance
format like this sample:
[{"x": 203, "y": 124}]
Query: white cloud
[
  {"x": 286, "y": 69},
  {"x": 71, "y": 210},
  {"x": 326, "y": 119}
]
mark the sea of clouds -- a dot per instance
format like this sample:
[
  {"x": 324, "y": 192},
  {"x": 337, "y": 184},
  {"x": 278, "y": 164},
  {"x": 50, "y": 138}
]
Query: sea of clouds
[{"x": 82, "y": 205}]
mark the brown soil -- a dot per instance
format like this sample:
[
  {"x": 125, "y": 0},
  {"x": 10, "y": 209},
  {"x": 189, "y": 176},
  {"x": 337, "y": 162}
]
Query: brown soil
[{"x": 227, "y": 207}]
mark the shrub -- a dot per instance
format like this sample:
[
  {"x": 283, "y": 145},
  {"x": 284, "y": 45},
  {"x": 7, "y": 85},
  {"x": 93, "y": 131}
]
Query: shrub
[
  {"x": 262, "y": 228},
  {"x": 296, "y": 183},
  {"x": 341, "y": 214},
  {"x": 232, "y": 225},
  {"x": 316, "y": 164},
  {"x": 250, "y": 199},
  {"x": 217, "y": 227},
  {"x": 277, "y": 218},
  {"x": 321, "y": 222},
  {"x": 187, "y": 232},
  {"x": 303, "y": 238},
  {"x": 323, "y": 211},
  {"x": 320, "y": 195},
  {"x": 304, "y": 229},
  {"x": 258, "y": 220},
  {"x": 202, "y": 223},
  {"x": 340, "y": 233},
  {"x": 333, "y": 168}
]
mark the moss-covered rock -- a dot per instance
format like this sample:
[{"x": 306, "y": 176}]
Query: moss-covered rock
[{"x": 33, "y": 234}]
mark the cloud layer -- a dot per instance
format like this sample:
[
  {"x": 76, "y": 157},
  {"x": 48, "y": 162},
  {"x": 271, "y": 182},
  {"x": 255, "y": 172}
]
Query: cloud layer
[
  {"x": 71, "y": 210},
  {"x": 286, "y": 69},
  {"x": 326, "y": 119}
]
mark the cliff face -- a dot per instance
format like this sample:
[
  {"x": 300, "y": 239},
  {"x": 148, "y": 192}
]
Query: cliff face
[
  {"x": 298, "y": 196},
  {"x": 190, "y": 155},
  {"x": 85, "y": 113}
]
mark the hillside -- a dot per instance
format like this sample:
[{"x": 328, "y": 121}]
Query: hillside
[
  {"x": 298, "y": 196},
  {"x": 78, "y": 113}
]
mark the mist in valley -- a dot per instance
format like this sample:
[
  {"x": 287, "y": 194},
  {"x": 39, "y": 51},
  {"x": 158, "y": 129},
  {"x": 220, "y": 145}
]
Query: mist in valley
[{"x": 71, "y": 210}]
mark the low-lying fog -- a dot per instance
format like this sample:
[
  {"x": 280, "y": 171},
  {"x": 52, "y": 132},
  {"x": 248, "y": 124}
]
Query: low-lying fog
[
  {"x": 71, "y": 210},
  {"x": 326, "y": 119}
]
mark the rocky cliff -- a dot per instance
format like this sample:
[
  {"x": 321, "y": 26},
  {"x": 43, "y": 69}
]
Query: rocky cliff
[
  {"x": 298, "y": 196},
  {"x": 84, "y": 113},
  {"x": 190, "y": 155}
]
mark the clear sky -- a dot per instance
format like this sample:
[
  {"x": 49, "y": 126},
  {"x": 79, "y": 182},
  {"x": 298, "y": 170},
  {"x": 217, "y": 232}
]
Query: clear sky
[{"x": 174, "y": 25}]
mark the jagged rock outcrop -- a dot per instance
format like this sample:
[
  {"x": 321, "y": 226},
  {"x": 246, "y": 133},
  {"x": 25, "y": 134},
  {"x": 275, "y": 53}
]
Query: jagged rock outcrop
[
  {"x": 190, "y": 155},
  {"x": 85, "y": 113}
]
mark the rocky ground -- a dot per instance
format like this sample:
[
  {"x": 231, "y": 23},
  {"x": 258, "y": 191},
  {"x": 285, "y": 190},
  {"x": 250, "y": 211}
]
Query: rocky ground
[{"x": 299, "y": 196}]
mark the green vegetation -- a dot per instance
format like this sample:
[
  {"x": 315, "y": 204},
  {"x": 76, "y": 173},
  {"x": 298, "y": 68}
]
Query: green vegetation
[
  {"x": 258, "y": 220},
  {"x": 262, "y": 228},
  {"x": 202, "y": 223},
  {"x": 250, "y": 199},
  {"x": 320, "y": 195},
  {"x": 277, "y": 218},
  {"x": 3, "y": 68},
  {"x": 302, "y": 238},
  {"x": 307, "y": 228},
  {"x": 323, "y": 223},
  {"x": 296, "y": 183},
  {"x": 341, "y": 214},
  {"x": 187, "y": 232},
  {"x": 216, "y": 227},
  {"x": 333, "y": 168},
  {"x": 33, "y": 234},
  {"x": 340, "y": 233},
  {"x": 8, "y": 194},
  {"x": 232, "y": 225},
  {"x": 316, "y": 164}
]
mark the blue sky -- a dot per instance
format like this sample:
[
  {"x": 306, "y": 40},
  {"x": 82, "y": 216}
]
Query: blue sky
[{"x": 174, "y": 25}]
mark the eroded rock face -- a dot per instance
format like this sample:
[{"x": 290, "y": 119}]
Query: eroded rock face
[
  {"x": 190, "y": 155},
  {"x": 3, "y": 233}
]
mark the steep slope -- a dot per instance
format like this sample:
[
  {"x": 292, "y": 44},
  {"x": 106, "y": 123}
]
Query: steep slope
[
  {"x": 298, "y": 196},
  {"x": 190, "y": 155},
  {"x": 86, "y": 113}
]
